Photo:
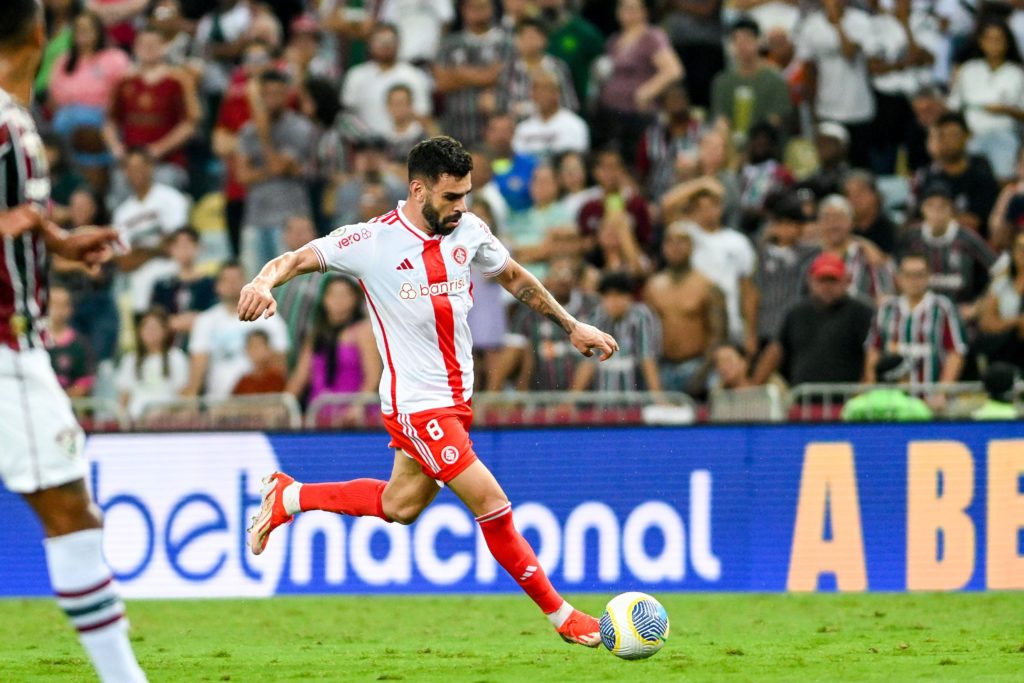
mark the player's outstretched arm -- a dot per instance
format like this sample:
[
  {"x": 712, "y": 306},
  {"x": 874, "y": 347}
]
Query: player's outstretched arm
[
  {"x": 256, "y": 299},
  {"x": 528, "y": 289}
]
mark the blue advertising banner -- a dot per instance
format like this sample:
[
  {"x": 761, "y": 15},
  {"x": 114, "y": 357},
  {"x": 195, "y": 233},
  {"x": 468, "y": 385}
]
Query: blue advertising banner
[{"x": 716, "y": 508}]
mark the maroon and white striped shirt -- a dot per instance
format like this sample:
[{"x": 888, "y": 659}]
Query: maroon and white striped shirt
[{"x": 24, "y": 178}]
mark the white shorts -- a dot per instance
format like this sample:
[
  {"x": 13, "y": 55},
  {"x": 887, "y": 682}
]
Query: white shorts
[{"x": 41, "y": 444}]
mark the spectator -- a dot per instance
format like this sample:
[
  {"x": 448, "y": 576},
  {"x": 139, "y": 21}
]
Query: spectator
[
  {"x": 640, "y": 64},
  {"x": 307, "y": 54},
  {"x": 532, "y": 234},
  {"x": 1001, "y": 315},
  {"x": 907, "y": 42},
  {"x": 485, "y": 188},
  {"x": 999, "y": 380},
  {"x": 420, "y": 24},
  {"x": 833, "y": 43},
  {"x": 166, "y": 16},
  {"x": 697, "y": 34},
  {"x": 783, "y": 261},
  {"x": 221, "y": 37},
  {"x": 151, "y": 213},
  {"x": 615, "y": 247},
  {"x": 960, "y": 261},
  {"x": 869, "y": 270},
  {"x": 185, "y": 294},
  {"x": 968, "y": 176},
  {"x": 69, "y": 352},
  {"x": 574, "y": 183},
  {"x": 551, "y": 128},
  {"x": 711, "y": 162},
  {"x": 731, "y": 368},
  {"x": 318, "y": 101},
  {"x": 920, "y": 325},
  {"x": 366, "y": 87},
  {"x": 339, "y": 356},
  {"x": 468, "y": 69},
  {"x": 574, "y": 40},
  {"x": 989, "y": 90},
  {"x": 217, "y": 346},
  {"x": 870, "y": 221},
  {"x": 511, "y": 170},
  {"x": 406, "y": 128},
  {"x": 272, "y": 160},
  {"x": 726, "y": 257},
  {"x": 537, "y": 355},
  {"x": 750, "y": 91},
  {"x": 1007, "y": 217},
  {"x": 636, "y": 329},
  {"x": 888, "y": 403},
  {"x": 617, "y": 192},
  {"x": 692, "y": 314},
  {"x": 266, "y": 375},
  {"x": 154, "y": 107},
  {"x": 489, "y": 316},
  {"x": 674, "y": 132},
  {"x": 80, "y": 87},
  {"x": 761, "y": 175},
  {"x": 235, "y": 111},
  {"x": 297, "y": 299},
  {"x": 520, "y": 74},
  {"x": 156, "y": 371},
  {"x": 64, "y": 179},
  {"x": 822, "y": 336},
  {"x": 370, "y": 170},
  {"x": 59, "y": 20},
  {"x": 831, "y": 142}
]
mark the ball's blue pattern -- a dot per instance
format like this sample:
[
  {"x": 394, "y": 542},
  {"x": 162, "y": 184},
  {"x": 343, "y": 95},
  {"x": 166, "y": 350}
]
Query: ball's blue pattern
[
  {"x": 650, "y": 620},
  {"x": 607, "y": 631}
]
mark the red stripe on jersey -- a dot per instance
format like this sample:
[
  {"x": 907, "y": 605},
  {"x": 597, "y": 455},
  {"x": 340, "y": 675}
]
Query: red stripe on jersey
[
  {"x": 387, "y": 350},
  {"x": 444, "y": 318}
]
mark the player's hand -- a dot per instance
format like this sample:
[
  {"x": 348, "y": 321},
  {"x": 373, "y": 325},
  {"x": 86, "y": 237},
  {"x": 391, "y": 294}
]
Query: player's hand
[
  {"x": 587, "y": 339},
  {"x": 91, "y": 245},
  {"x": 256, "y": 301}
]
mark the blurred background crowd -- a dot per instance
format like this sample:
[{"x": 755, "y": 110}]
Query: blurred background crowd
[{"x": 746, "y": 193}]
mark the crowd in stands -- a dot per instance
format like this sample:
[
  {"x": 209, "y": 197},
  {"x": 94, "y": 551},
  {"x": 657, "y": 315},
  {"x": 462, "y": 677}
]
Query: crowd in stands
[{"x": 743, "y": 192}]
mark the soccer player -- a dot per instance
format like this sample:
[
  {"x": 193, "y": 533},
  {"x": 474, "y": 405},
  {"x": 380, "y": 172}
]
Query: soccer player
[
  {"x": 42, "y": 456},
  {"x": 413, "y": 265}
]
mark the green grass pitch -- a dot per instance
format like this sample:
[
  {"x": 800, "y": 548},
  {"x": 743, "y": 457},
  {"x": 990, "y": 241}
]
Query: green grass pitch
[{"x": 451, "y": 639}]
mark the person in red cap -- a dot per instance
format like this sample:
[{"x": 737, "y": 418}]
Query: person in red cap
[{"x": 822, "y": 337}]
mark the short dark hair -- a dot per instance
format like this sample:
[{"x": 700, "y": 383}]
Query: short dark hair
[
  {"x": 616, "y": 282},
  {"x": 917, "y": 255},
  {"x": 438, "y": 156},
  {"x": 745, "y": 23},
  {"x": 258, "y": 334},
  {"x": 274, "y": 76},
  {"x": 532, "y": 22},
  {"x": 20, "y": 18},
  {"x": 137, "y": 151},
  {"x": 399, "y": 87},
  {"x": 954, "y": 118},
  {"x": 228, "y": 265},
  {"x": 186, "y": 231}
]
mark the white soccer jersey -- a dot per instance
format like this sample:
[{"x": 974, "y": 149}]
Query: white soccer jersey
[{"x": 418, "y": 293}]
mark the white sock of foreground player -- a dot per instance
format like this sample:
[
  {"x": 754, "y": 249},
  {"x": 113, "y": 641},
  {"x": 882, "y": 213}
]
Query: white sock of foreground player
[{"x": 85, "y": 590}]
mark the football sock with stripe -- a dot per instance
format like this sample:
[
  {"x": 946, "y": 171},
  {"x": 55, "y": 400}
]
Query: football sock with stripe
[
  {"x": 356, "y": 498},
  {"x": 516, "y": 556},
  {"x": 85, "y": 590}
]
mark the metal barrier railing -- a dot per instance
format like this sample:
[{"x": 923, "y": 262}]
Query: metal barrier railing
[
  {"x": 252, "y": 412},
  {"x": 101, "y": 415},
  {"x": 749, "y": 404},
  {"x": 818, "y": 402}
]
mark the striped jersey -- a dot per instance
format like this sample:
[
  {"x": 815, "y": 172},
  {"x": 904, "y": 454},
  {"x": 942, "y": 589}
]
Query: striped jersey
[
  {"x": 959, "y": 260},
  {"x": 638, "y": 333},
  {"x": 418, "y": 293},
  {"x": 24, "y": 178},
  {"x": 868, "y": 281},
  {"x": 926, "y": 333}
]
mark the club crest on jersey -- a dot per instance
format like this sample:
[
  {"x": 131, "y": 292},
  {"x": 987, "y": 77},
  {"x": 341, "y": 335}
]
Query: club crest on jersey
[
  {"x": 460, "y": 255},
  {"x": 348, "y": 240},
  {"x": 410, "y": 291}
]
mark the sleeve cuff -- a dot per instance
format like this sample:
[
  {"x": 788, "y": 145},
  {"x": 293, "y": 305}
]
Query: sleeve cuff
[
  {"x": 504, "y": 266},
  {"x": 319, "y": 257}
]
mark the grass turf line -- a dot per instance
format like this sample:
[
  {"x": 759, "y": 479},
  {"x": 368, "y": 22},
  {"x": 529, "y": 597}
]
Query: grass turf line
[{"x": 450, "y": 639}]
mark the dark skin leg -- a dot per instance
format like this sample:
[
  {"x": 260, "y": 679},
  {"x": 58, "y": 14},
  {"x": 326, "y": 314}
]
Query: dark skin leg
[{"x": 64, "y": 509}]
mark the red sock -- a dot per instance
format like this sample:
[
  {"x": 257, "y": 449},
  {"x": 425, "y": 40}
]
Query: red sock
[
  {"x": 513, "y": 553},
  {"x": 356, "y": 498}
]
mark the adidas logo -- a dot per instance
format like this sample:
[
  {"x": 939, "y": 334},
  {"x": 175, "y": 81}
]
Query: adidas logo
[
  {"x": 404, "y": 265},
  {"x": 530, "y": 569}
]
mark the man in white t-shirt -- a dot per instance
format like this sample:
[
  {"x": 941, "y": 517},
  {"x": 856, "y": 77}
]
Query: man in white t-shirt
[
  {"x": 151, "y": 213},
  {"x": 834, "y": 43},
  {"x": 553, "y": 129},
  {"x": 726, "y": 257},
  {"x": 420, "y": 24},
  {"x": 367, "y": 85},
  {"x": 217, "y": 345}
]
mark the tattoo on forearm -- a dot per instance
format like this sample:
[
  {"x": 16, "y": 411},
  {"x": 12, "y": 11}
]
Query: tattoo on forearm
[{"x": 540, "y": 300}]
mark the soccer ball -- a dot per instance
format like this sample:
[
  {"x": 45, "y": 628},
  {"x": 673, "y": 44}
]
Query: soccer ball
[{"x": 634, "y": 626}]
